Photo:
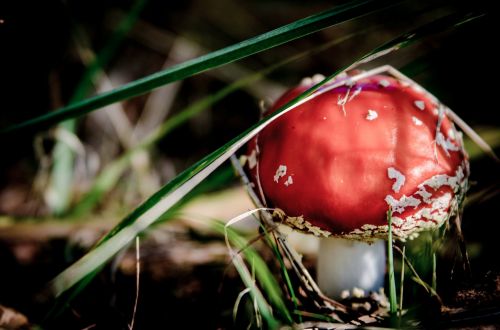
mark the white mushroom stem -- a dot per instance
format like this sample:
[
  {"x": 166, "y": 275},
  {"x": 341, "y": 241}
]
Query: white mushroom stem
[{"x": 346, "y": 264}]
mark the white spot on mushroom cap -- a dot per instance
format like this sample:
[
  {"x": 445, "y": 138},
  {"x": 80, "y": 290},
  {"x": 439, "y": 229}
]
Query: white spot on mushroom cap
[
  {"x": 446, "y": 143},
  {"x": 301, "y": 224},
  {"x": 384, "y": 83},
  {"x": 416, "y": 121},
  {"x": 419, "y": 104},
  {"x": 451, "y": 134},
  {"x": 432, "y": 211},
  {"x": 392, "y": 173},
  {"x": 368, "y": 227},
  {"x": 456, "y": 182},
  {"x": 417, "y": 88},
  {"x": 398, "y": 206},
  {"x": 288, "y": 181},
  {"x": 280, "y": 172},
  {"x": 422, "y": 192},
  {"x": 372, "y": 114},
  {"x": 432, "y": 216}
]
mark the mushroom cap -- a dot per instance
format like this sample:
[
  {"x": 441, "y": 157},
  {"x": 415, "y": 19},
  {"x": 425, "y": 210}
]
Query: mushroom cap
[{"x": 335, "y": 164}]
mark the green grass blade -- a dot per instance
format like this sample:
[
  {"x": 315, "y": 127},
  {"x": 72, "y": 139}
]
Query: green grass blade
[
  {"x": 212, "y": 60},
  {"x": 416, "y": 277},
  {"x": 393, "y": 305},
  {"x": 147, "y": 213},
  {"x": 284, "y": 271},
  {"x": 401, "y": 283}
]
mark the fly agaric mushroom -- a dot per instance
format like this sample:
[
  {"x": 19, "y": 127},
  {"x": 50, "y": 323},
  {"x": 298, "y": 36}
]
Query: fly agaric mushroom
[{"x": 335, "y": 164}]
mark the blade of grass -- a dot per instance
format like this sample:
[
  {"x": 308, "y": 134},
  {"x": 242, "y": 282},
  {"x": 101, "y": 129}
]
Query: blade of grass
[
  {"x": 417, "y": 277},
  {"x": 393, "y": 305},
  {"x": 59, "y": 191},
  {"x": 110, "y": 175},
  {"x": 281, "y": 35},
  {"x": 284, "y": 271},
  {"x": 401, "y": 283},
  {"x": 159, "y": 203}
]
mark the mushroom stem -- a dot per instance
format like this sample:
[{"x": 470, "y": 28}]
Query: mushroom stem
[{"x": 345, "y": 264}]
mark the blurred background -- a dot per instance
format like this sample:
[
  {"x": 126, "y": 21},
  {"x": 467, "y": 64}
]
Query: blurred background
[{"x": 55, "y": 201}]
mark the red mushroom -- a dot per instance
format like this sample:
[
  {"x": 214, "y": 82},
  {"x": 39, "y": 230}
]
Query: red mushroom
[{"x": 335, "y": 165}]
